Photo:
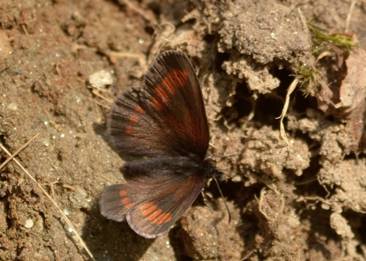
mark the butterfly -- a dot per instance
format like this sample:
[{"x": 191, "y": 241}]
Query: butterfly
[{"x": 161, "y": 128}]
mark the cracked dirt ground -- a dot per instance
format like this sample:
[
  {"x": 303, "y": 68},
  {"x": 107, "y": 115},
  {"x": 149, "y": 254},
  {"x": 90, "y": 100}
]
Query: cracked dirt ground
[{"x": 305, "y": 200}]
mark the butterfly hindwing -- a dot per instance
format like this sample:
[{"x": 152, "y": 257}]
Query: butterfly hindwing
[
  {"x": 156, "y": 197},
  {"x": 116, "y": 201},
  {"x": 151, "y": 218},
  {"x": 164, "y": 117}
]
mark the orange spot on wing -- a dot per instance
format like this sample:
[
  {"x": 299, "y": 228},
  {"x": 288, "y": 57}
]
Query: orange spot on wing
[
  {"x": 126, "y": 202},
  {"x": 162, "y": 93},
  {"x": 166, "y": 217},
  {"x": 156, "y": 104},
  {"x": 124, "y": 199},
  {"x": 181, "y": 76},
  {"x": 129, "y": 130},
  {"x": 138, "y": 109},
  {"x": 171, "y": 81},
  {"x": 148, "y": 208},
  {"x": 123, "y": 193},
  {"x": 175, "y": 79},
  {"x": 169, "y": 84},
  {"x": 154, "y": 215},
  {"x": 133, "y": 119}
]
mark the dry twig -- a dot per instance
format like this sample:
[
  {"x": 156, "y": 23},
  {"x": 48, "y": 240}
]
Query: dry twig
[
  {"x": 19, "y": 150},
  {"x": 148, "y": 16},
  {"x": 290, "y": 90},
  {"x": 349, "y": 15}
]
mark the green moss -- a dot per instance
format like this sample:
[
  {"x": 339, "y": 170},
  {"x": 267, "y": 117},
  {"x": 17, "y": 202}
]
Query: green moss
[
  {"x": 323, "y": 41},
  {"x": 308, "y": 78}
]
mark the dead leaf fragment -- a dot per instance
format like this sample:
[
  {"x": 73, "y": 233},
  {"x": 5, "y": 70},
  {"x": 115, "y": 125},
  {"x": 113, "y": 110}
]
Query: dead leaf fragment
[
  {"x": 352, "y": 91},
  {"x": 352, "y": 95}
]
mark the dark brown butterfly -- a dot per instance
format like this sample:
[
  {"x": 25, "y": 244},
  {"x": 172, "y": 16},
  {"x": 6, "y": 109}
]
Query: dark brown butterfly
[{"x": 162, "y": 129}]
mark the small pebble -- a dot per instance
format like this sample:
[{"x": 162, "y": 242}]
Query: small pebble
[
  {"x": 5, "y": 45},
  {"x": 101, "y": 79},
  {"x": 29, "y": 223},
  {"x": 13, "y": 106},
  {"x": 66, "y": 212}
]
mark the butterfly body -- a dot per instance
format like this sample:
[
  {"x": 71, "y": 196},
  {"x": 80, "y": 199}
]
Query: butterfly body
[{"x": 161, "y": 128}]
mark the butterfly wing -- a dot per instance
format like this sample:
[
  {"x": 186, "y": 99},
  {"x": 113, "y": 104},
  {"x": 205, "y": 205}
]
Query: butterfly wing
[
  {"x": 155, "y": 198},
  {"x": 165, "y": 116},
  {"x": 154, "y": 217}
]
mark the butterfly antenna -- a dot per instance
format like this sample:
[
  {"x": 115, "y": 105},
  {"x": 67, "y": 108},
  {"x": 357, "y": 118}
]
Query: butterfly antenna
[{"x": 222, "y": 195}]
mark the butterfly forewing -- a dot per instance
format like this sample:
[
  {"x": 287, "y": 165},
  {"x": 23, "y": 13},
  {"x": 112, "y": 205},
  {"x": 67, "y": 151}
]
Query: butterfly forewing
[{"x": 165, "y": 116}]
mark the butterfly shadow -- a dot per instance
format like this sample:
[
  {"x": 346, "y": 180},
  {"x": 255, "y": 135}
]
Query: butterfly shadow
[
  {"x": 101, "y": 130},
  {"x": 109, "y": 240}
]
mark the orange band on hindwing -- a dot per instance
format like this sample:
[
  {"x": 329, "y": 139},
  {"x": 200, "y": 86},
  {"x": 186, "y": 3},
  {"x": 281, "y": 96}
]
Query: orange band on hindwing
[
  {"x": 154, "y": 214},
  {"x": 124, "y": 199}
]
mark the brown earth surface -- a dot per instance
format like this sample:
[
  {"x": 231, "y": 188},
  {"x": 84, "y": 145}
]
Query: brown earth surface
[{"x": 62, "y": 63}]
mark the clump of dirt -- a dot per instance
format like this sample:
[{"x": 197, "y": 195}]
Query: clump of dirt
[{"x": 63, "y": 62}]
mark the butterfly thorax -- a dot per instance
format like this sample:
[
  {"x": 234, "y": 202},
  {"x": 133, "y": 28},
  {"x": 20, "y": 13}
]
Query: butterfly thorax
[
  {"x": 179, "y": 165},
  {"x": 210, "y": 169},
  {"x": 205, "y": 166}
]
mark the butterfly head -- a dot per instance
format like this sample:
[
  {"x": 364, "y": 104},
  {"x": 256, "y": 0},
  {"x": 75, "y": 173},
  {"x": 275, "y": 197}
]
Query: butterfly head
[{"x": 210, "y": 169}]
